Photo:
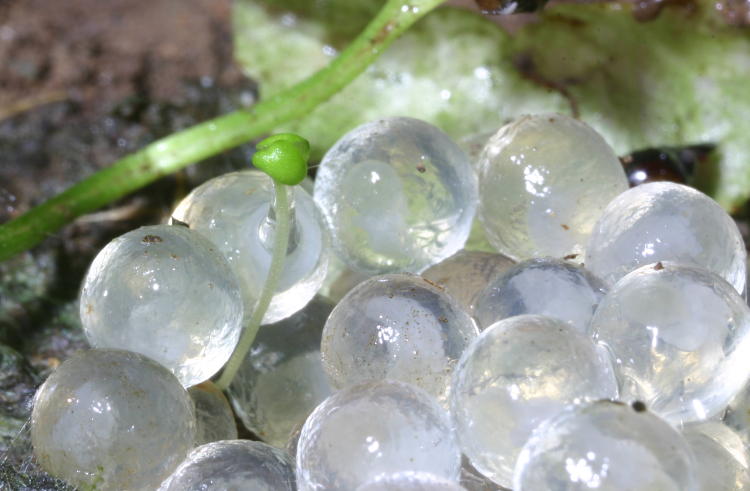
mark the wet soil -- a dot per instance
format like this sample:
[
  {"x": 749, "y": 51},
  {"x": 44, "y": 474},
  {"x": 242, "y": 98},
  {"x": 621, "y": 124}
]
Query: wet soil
[{"x": 84, "y": 82}]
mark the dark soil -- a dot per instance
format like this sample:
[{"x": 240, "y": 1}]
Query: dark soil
[
  {"x": 84, "y": 82},
  {"x": 102, "y": 51}
]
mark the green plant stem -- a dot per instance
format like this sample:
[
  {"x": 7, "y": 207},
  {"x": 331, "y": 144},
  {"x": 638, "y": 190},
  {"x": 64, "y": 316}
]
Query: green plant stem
[
  {"x": 278, "y": 257},
  {"x": 204, "y": 140}
]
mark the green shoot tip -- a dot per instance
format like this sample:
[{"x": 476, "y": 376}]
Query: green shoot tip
[{"x": 283, "y": 157}]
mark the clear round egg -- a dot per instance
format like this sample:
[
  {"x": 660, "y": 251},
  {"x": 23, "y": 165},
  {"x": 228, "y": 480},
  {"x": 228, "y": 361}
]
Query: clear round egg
[
  {"x": 544, "y": 286},
  {"x": 375, "y": 429},
  {"x": 213, "y": 416},
  {"x": 680, "y": 339},
  {"x": 398, "y": 327},
  {"x": 411, "y": 481},
  {"x": 165, "y": 292},
  {"x": 737, "y": 415},
  {"x": 340, "y": 280},
  {"x": 473, "y": 480},
  {"x": 517, "y": 373},
  {"x": 665, "y": 221},
  {"x": 234, "y": 211},
  {"x": 544, "y": 180},
  {"x": 282, "y": 379},
  {"x": 466, "y": 273},
  {"x": 606, "y": 446},
  {"x": 112, "y": 419},
  {"x": 721, "y": 457},
  {"x": 398, "y": 195},
  {"x": 230, "y": 465},
  {"x": 293, "y": 441}
]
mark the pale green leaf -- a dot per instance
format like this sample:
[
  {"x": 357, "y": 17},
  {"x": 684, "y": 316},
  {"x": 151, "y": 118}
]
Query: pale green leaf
[{"x": 680, "y": 79}]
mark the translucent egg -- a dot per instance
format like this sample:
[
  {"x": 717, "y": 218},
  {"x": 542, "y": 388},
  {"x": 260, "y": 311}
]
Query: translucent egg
[
  {"x": 293, "y": 441},
  {"x": 233, "y": 465},
  {"x": 234, "y": 211},
  {"x": 666, "y": 221},
  {"x": 396, "y": 327},
  {"x": 680, "y": 338},
  {"x": 544, "y": 180},
  {"x": 375, "y": 429},
  {"x": 721, "y": 459},
  {"x": 473, "y": 480},
  {"x": 214, "y": 417},
  {"x": 282, "y": 379},
  {"x": 340, "y": 280},
  {"x": 163, "y": 291},
  {"x": 473, "y": 145},
  {"x": 519, "y": 372},
  {"x": 398, "y": 195},
  {"x": 737, "y": 415},
  {"x": 547, "y": 286},
  {"x": 411, "y": 481},
  {"x": 466, "y": 273},
  {"x": 605, "y": 446},
  {"x": 112, "y": 419}
]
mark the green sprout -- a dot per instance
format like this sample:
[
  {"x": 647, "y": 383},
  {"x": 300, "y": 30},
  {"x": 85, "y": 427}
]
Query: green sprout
[
  {"x": 284, "y": 158},
  {"x": 207, "y": 139}
]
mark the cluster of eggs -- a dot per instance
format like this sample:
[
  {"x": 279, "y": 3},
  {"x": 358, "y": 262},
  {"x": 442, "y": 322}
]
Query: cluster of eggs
[{"x": 604, "y": 345}]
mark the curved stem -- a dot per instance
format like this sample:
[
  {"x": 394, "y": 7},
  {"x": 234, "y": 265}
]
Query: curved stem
[
  {"x": 212, "y": 137},
  {"x": 280, "y": 244}
]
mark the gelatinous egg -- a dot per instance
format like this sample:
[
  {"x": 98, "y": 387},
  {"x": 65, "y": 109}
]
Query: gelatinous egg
[
  {"x": 282, "y": 379},
  {"x": 473, "y": 480},
  {"x": 544, "y": 180},
  {"x": 233, "y": 465},
  {"x": 398, "y": 195},
  {"x": 112, "y": 419},
  {"x": 517, "y": 373},
  {"x": 411, "y": 481},
  {"x": 664, "y": 221},
  {"x": 607, "y": 446},
  {"x": 234, "y": 211},
  {"x": 375, "y": 429},
  {"x": 165, "y": 292},
  {"x": 545, "y": 286},
  {"x": 214, "y": 417},
  {"x": 398, "y": 327},
  {"x": 737, "y": 415},
  {"x": 721, "y": 457},
  {"x": 680, "y": 339},
  {"x": 466, "y": 273}
]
